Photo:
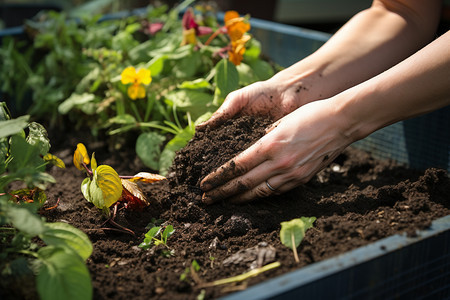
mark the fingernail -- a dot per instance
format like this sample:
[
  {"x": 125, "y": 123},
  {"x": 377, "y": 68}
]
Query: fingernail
[{"x": 206, "y": 199}]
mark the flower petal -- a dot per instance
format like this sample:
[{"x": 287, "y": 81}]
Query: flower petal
[
  {"x": 144, "y": 76},
  {"x": 128, "y": 75}
]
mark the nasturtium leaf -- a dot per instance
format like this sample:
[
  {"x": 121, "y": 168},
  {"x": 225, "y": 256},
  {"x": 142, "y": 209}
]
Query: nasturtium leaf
[
  {"x": 147, "y": 177},
  {"x": 38, "y": 137},
  {"x": 62, "y": 275},
  {"x": 292, "y": 232},
  {"x": 148, "y": 148},
  {"x": 106, "y": 187},
  {"x": 53, "y": 159},
  {"x": 65, "y": 235},
  {"x": 80, "y": 156},
  {"x": 226, "y": 78},
  {"x": 246, "y": 74},
  {"x": 195, "y": 102}
]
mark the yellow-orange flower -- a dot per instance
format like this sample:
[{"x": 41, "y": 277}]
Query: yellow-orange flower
[
  {"x": 236, "y": 54},
  {"x": 137, "y": 79},
  {"x": 236, "y": 26}
]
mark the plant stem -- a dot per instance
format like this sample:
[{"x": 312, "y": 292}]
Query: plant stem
[
  {"x": 135, "y": 111},
  {"x": 294, "y": 249},
  {"x": 242, "y": 277}
]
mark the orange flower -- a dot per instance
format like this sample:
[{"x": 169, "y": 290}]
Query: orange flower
[
  {"x": 236, "y": 26},
  {"x": 137, "y": 79},
  {"x": 236, "y": 54}
]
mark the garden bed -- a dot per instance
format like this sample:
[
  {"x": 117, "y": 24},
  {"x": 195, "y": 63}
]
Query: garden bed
[{"x": 357, "y": 200}]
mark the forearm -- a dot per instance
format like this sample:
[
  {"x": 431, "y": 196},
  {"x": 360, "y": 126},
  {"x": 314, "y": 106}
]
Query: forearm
[
  {"x": 417, "y": 85},
  {"x": 371, "y": 42}
]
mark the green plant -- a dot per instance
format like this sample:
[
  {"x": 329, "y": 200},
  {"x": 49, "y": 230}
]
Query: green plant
[
  {"x": 158, "y": 235},
  {"x": 104, "y": 188},
  {"x": 152, "y": 75},
  {"x": 58, "y": 266},
  {"x": 292, "y": 233}
]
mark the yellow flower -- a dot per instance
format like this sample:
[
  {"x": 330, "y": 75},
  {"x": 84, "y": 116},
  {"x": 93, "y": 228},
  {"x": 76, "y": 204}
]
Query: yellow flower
[{"x": 137, "y": 79}]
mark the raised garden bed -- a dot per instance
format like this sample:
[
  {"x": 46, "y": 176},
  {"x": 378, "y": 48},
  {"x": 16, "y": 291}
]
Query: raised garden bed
[{"x": 359, "y": 200}]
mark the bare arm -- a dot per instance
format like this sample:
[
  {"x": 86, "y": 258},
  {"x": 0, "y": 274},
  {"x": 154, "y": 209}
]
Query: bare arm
[{"x": 371, "y": 42}]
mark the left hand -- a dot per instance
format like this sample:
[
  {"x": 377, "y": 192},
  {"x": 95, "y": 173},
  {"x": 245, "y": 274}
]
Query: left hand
[{"x": 293, "y": 150}]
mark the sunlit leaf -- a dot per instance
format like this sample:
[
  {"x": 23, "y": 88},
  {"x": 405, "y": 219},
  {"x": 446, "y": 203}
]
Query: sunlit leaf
[
  {"x": 54, "y": 160},
  {"x": 80, "y": 156},
  {"x": 147, "y": 177},
  {"x": 292, "y": 232},
  {"x": 24, "y": 219},
  {"x": 65, "y": 235},
  {"x": 107, "y": 180}
]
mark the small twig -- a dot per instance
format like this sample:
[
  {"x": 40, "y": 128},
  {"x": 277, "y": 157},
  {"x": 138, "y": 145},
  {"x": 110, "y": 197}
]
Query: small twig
[
  {"x": 245, "y": 276},
  {"x": 294, "y": 249}
]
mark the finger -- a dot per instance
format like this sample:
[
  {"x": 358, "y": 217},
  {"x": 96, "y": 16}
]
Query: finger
[
  {"x": 240, "y": 184},
  {"x": 237, "y": 166},
  {"x": 226, "y": 111},
  {"x": 262, "y": 190}
]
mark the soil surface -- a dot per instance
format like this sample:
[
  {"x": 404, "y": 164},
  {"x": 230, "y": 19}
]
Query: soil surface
[{"x": 356, "y": 200}]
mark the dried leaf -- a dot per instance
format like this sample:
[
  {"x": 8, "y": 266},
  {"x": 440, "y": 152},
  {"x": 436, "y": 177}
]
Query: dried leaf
[
  {"x": 147, "y": 177},
  {"x": 133, "y": 195}
]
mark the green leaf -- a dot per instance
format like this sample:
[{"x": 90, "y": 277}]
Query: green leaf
[
  {"x": 149, "y": 237},
  {"x": 246, "y": 74},
  {"x": 75, "y": 100},
  {"x": 195, "y": 102},
  {"x": 62, "y": 275},
  {"x": 168, "y": 231},
  {"x": 38, "y": 137},
  {"x": 187, "y": 66},
  {"x": 25, "y": 157},
  {"x": 123, "y": 119},
  {"x": 226, "y": 78},
  {"x": 292, "y": 232},
  {"x": 262, "y": 69},
  {"x": 11, "y": 127},
  {"x": 25, "y": 219},
  {"x": 66, "y": 236},
  {"x": 199, "y": 83},
  {"x": 168, "y": 154},
  {"x": 148, "y": 148},
  {"x": 156, "y": 65}
]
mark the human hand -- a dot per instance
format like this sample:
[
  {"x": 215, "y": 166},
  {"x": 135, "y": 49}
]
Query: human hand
[
  {"x": 273, "y": 98},
  {"x": 293, "y": 150}
]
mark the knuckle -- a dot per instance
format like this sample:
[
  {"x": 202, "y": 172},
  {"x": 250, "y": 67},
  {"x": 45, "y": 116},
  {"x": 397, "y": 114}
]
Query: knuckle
[{"x": 261, "y": 192}]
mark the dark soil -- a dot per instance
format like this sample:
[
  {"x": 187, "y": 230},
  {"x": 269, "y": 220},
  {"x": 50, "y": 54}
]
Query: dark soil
[{"x": 357, "y": 200}]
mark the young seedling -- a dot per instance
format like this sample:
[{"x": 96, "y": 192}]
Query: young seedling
[
  {"x": 158, "y": 235},
  {"x": 292, "y": 233},
  {"x": 104, "y": 188}
]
